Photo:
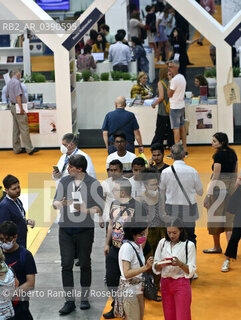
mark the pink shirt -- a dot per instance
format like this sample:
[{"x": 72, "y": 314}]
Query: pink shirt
[{"x": 208, "y": 5}]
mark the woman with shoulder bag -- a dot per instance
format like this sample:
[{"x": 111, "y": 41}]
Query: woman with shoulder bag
[
  {"x": 175, "y": 260},
  {"x": 130, "y": 302},
  {"x": 225, "y": 168},
  {"x": 163, "y": 126}
]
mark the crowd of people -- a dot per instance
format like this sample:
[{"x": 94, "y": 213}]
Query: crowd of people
[{"x": 150, "y": 213}]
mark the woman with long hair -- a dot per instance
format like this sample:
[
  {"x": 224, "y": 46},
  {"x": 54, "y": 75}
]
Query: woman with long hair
[
  {"x": 175, "y": 260},
  {"x": 101, "y": 45},
  {"x": 163, "y": 126},
  {"x": 140, "y": 55},
  {"x": 86, "y": 61},
  {"x": 225, "y": 168}
]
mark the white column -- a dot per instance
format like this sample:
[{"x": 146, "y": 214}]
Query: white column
[{"x": 116, "y": 16}]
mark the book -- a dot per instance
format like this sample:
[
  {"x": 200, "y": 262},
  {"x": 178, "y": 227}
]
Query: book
[
  {"x": 3, "y": 59},
  {"x": 19, "y": 59},
  {"x": 165, "y": 261},
  {"x": 10, "y": 59}
]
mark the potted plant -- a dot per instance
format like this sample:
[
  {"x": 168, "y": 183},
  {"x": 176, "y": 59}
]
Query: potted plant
[
  {"x": 104, "y": 76},
  {"x": 86, "y": 75}
]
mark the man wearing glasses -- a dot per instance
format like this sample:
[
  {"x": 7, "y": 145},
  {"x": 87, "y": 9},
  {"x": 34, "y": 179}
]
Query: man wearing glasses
[{"x": 124, "y": 156}]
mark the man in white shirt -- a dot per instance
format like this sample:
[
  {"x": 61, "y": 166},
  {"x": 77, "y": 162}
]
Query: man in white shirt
[
  {"x": 121, "y": 154},
  {"x": 119, "y": 54},
  {"x": 176, "y": 92},
  {"x": 137, "y": 185},
  {"x": 69, "y": 148},
  {"x": 176, "y": 203}
]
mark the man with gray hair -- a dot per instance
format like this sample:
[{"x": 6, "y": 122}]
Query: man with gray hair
[
  {"x": 123, "y": 120},
  {"x": 179, "y": 185},
  {"x": 17, "y": 98},
  {"x": 176, "y": 92}
]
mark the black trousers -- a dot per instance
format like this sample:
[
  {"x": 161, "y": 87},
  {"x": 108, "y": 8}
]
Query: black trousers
[
  {"x": 232, "y": 247},
  {"x": 112, "y": 269},
  {"x": 163, "y": 129},
  {"x": 22, "y": 312},
  {"x": 120, "y": 67},
  {"x": 68, "y": 243}
]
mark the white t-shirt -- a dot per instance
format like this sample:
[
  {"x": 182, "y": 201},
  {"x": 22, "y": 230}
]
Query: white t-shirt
[
  {"x": 178, "y": 84},
  {"x": 133, "y": 28},
  {"x": 127, "y": 253},
  {"x": 137, "y": 188},
  {"x": 108, "y": 186},
  {"x": 126, "y": 160}
]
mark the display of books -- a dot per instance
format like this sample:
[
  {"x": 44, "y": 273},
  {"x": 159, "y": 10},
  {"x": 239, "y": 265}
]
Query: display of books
[
  {"x": 2, "y": 72},
  {"x": 10, "y": 59},
  {"x": 3, "y": 59},
  {"x": 19, "y": 59}
]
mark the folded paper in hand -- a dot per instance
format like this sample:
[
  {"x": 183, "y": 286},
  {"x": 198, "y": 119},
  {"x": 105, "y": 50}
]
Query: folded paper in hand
[{"x": 25, "y": 108}]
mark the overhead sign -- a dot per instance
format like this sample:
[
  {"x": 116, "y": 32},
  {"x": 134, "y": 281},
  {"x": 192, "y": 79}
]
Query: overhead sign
[
  {"x": 81, "y": 30},
  {"x": 234, "y": 35}
]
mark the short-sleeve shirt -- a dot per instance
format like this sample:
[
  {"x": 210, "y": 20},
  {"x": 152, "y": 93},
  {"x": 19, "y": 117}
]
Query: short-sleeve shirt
[
  {"x": 126, "y": 160},
  {"x": 92, "y": 195},
  {"x": 22, "y": 262},
  {"x": 134, "y": 29},
  {"x": 123, "y": 120},
  {"x": 15, "y": 89},
  {"x": 122, "y": 212},
  {"x": 227, "y": 159},
  {"x": 178, "y": 84}
]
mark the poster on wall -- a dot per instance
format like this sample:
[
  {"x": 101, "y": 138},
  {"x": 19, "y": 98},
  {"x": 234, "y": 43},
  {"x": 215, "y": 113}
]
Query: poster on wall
[
  {"x": 33, "y": 122},
  {"x": 204, "y": 118},
  {"x": 47, "y": 122}
]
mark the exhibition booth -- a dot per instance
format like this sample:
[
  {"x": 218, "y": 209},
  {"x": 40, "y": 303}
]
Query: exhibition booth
[{"x": 67, "y": 105}]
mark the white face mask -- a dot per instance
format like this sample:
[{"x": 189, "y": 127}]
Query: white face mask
[
  {"x": 7, "y": 246},
  {"x": 152, "y": 193},
  {"x": 63, "y": 149}
]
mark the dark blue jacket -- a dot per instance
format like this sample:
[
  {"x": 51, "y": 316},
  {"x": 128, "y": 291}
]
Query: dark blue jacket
[{"x": 10, "y": 211}]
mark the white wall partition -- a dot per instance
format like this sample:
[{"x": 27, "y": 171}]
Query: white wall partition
[{"x": 216, "y": 34}]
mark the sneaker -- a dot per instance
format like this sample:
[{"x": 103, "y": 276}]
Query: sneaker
[
  {"x": 186, "y": 154},
  {"x": 109, "y": 315},
  {"x": 160, "y": 62},
  {"x": 169, "y": 156},
  {"x": 68, "y": 307},
  {"x": 84, "y": 305},
  {"x": 225, "y": 267}
]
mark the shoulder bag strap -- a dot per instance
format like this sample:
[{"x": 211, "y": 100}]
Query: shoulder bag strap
[
  {"x": 186, "y": 251},
  {"x": 138, "y": 257},
  {"x": 181, "y": 186}
]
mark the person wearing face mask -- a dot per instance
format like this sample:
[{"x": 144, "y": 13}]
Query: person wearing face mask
[
  {"x": 11, "y": 209},
  {"x": 130, "y": 302},
  {"x": 69, "y": 148},
  {"x": 123, "y": 208},
  {"x": 151, "y": 200},
  {"x": 22, "y": 262},
  {"x": 175, "y": 261}
]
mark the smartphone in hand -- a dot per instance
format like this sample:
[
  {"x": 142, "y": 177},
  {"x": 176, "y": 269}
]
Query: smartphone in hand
[{"x": 56, "y": 168}]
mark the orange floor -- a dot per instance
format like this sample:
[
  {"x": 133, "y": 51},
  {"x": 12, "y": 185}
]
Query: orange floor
[{"x": 215, "y": 295}]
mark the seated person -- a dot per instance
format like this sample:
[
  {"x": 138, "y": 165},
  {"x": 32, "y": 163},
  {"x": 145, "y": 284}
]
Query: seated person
[
  {"x": 199, "y": 81},
  {"x": 101, "y": 45},
  {"x": 86, "y": 61},
  {"x": 141, "y": 88}
]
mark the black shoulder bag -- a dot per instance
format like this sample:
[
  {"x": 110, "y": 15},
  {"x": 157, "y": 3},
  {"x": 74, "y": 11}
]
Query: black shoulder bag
[
  {"x": 193, "y": 210},
  {"x": 150, "y": 291}
]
